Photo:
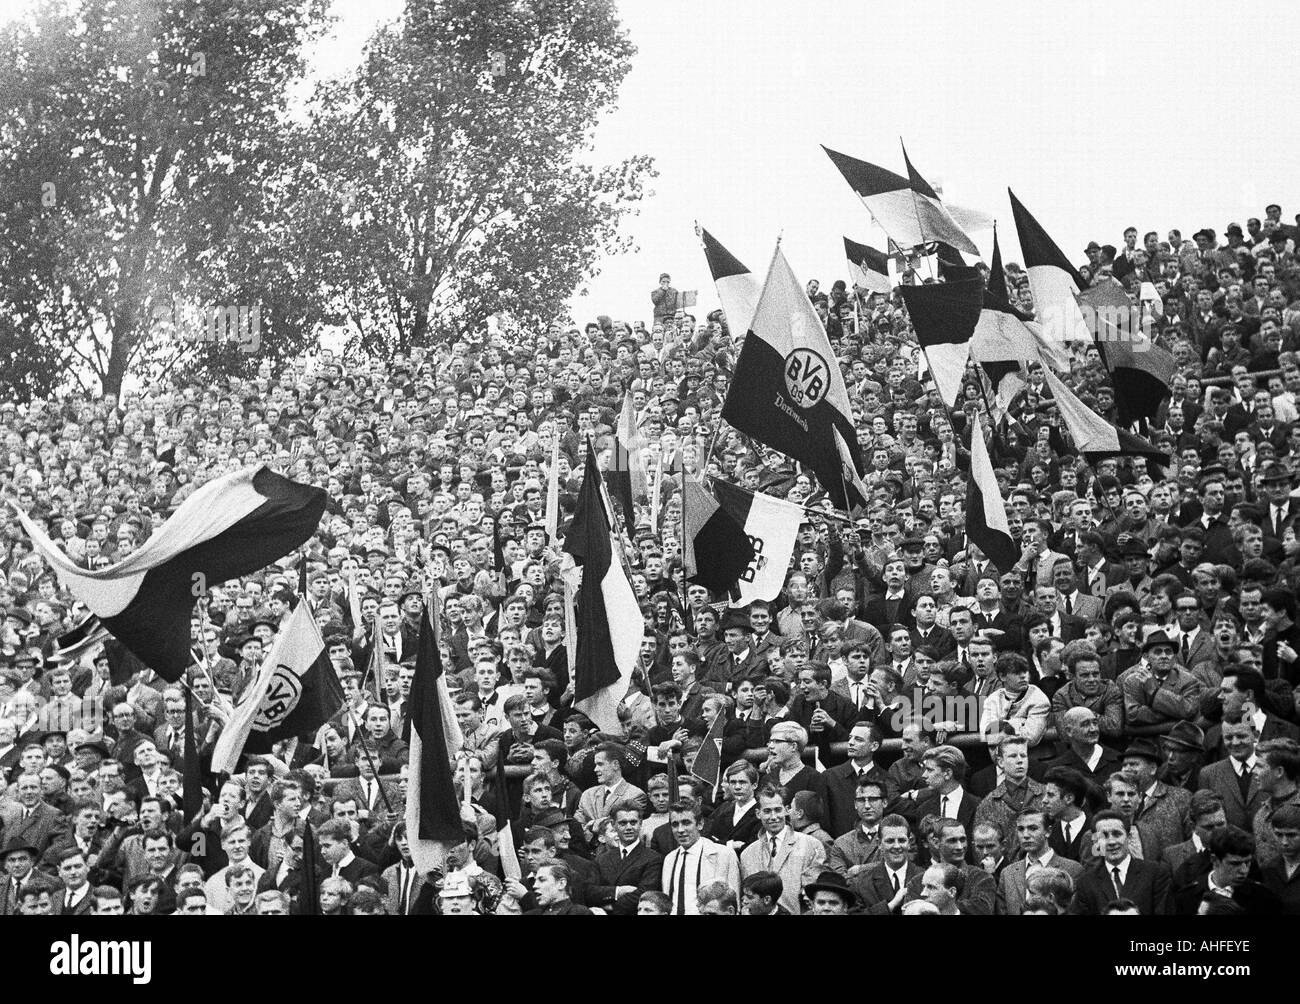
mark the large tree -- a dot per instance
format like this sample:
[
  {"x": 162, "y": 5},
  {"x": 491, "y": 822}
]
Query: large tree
[
  {"x": 455, "y": 168},
  {"x": 145, "y": 152}
]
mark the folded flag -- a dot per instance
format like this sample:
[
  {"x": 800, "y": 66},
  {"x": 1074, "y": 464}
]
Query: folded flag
[
  {"x": 738, "y": 288},
  {"x": 909, "y": 215},
  {"x": 625, "y": 475},
  {"x": 936, "y": 222},
  {"x": 609, "y": 620},
  {"x": 231, "y": 526},
  {"x": 432, "y": 805},
  {"x": 553, "y": 492},
  {"x": 986, "y": 515},
  {"x": 1139, "y": 368},
  {"x": 788, "y": 391},
  {"x": 868, "y": 268},
  {"x": 771, "y": 526},
  {"x": 717, "y": 551},
  {"x": 944, "y": 316},
  {"x": 296, "y": 691},
  {"x": 1093, "y": 436}
]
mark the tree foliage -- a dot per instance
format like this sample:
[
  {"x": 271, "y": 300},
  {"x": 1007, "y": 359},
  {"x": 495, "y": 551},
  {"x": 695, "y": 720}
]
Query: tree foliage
[
  {"x": 454, "y": 167},
  {"x": 144, "y": 149}
]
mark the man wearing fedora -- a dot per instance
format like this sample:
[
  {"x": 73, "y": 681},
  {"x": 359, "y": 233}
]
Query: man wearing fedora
[
  {"x": 1160, "y": 807},
  {"x": 1157, "y": 694},
  {"x": 1184, "y": 749},
  {"x": 830, "y": 895}
]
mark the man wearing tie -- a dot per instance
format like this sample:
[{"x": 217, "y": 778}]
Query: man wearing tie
[
  {"x": 74, "y": 873},
  {"x": 610, "y": 789},
  {"x": 1119, "y": 875},
  {"x": 1277, "y": 491},
  {"x": 796, "y": 857},
  {"x": 695, "y": 862},
  {"x": 404, "y": 880},
  {"x": 626, "y": 870}
]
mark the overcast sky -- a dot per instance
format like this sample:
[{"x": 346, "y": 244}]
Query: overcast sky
[{"x": 1098, "y": 117}]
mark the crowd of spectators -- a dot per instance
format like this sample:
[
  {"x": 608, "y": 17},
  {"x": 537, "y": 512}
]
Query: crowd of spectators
[{"x": 1109, "y": 726}]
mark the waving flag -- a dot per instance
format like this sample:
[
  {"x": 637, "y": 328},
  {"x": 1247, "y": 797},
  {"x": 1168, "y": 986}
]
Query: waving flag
[
  {"x": 1140, "y": 369},
  {"x": 771, "y": 527},
  {"x": 716, "y": 552},
  {"x": 868, "y": 268},
  {"x": 737, "y": 286},
  {"x": 788, "y": 391},
  {"x": 986, "y": 515},
  {"x": 1093, "y": 436},
  {"x": 231, "y": 526},
  {"x": 296, "y": 692},
  {"x": 609, "y": 621},
  {"x": 1054, "y": 282},
  {"x": 906, "y": 213},
  {"x": 944, "y": 316}
]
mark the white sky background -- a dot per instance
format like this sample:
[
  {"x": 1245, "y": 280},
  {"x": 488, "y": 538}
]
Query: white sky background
[{"x": 1121, "y": 113}]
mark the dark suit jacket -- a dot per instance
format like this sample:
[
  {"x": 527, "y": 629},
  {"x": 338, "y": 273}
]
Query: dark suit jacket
[
  {"x": 1110, "y": 762},
  {"x": 357, "y": 868},
  {"x": 928, "y": 804},
  {"x": 978, "y": 898},
  {"x": 841, "y": 790},
  {"x": 1256, "y": 899},
  {"x": 838, "y": 707},
  {"x": 941, "y": 640},
  {"x": 721, "y": 829},
  {"x": 874, "y": 889},
  {"x": 643, "y": 868},
  {"x": 1074, "y": 849},
  {"x": 82, "y": 909},
  {"x": 875, "y": 613},
  {"x": 1147, "y": 884},
  {"x": 1221, "y": 778}
]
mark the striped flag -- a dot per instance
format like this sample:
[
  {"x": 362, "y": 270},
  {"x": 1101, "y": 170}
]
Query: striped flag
[
  {"x": 1054, "y": 281},
  {"x": 716, "y": 552},
  {"x": 609, "y": 621},
  {"x": 868, "y": 268},
  {"x": 944, "y": 316},
  {"x": 295, "y": 693},
  {"x": 432, "y": 807},
  {"x": 231, "y": 526},
  {"x": 907, "y": 210},
  {"x": 788, "y": 391},
  {"x": 626, "y": 474},
  {"x": 986, "y": 515},
  {"x": 771, "y": 526},
  {"x": 738, "y": 288}
]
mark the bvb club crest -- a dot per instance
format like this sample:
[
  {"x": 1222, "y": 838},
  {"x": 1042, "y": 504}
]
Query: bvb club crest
[
  {"x": 806, "y": 377},
  {"x": 281, "y": 697}
]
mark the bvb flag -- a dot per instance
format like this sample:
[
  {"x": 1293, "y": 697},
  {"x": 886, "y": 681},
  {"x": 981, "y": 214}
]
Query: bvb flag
[
  {"x": 717, "y": 552},
  {"x": 1093, "y": 436},
  {"x": 432, "y": 806},
  {"x": 788, "y": 391},
  {"x": 232, "y": 526},
  {"x": 868, "y": 268},
  {"x": 772, "y": 528},
  {"x": 296, "y": 692},
  {"x": 986, "y": 516},
  {"x": 609, "y": 621}
]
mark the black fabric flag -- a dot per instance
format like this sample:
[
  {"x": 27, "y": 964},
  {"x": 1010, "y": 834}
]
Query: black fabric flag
[
  {"x": 718, "y": 550},
  {"x": 437, "y": 807},
  {"x": 231, "y": 526},
  {"x": 944, "y": 316}
]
